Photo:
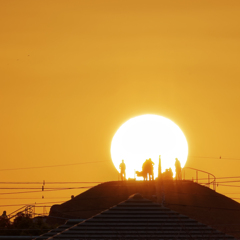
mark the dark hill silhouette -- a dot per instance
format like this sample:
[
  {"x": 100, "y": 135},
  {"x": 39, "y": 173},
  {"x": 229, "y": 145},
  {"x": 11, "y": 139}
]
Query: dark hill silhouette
[{"x": 188, "y": 198}]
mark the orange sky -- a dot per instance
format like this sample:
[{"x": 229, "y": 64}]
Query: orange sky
[{"x": 71, "y": 72}]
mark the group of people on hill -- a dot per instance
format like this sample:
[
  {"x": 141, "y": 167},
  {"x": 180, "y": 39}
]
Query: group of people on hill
[{"x": 147, "y": 171}]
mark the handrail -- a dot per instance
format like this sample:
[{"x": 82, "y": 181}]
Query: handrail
[
  {"x": 213, "y": 182},
  {"x": 25, "y": 207}
]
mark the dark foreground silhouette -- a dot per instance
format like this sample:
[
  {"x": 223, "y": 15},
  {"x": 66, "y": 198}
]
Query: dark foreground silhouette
[{"x": 186, "y": 197}]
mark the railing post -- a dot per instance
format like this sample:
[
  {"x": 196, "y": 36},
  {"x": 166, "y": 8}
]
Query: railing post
[{"x": 214, "y": 185}]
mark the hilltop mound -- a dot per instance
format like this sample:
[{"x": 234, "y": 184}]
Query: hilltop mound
[{"x": 188, "y": 198}]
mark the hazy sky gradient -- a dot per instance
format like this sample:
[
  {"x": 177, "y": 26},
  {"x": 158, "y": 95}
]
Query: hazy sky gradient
[{"x": 71, "y": 72}]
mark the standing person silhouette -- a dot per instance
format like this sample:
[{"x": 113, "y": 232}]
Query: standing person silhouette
[
  {"x": 147, "y": 170},
  {"x": 151, "y": 173},
  {"x": 122, "y": 167}
]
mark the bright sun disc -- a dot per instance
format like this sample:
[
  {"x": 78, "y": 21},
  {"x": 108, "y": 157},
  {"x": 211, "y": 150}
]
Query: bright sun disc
[{"x": 148, "y": 136}]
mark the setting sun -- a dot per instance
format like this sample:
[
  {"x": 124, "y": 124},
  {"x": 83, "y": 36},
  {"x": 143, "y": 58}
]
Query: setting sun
[{"x": 148, "y": 136}]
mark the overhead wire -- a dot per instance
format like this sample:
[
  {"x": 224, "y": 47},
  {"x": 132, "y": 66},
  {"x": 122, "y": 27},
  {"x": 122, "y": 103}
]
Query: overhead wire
[
  {"x": 208, "y": 207},
  {"x": 44, "y": 190},
  {"x": 60, "y": 188},
  {"x": 217, "y": 158},
  {"x": 48, "y": 182},
  {"x": 216, "y": 178},
  {"x": 227, "y": 185},
  {"x": 80, "y": 163},
  {"x": 50, "y": 166},
  {"x": 33, "y": 198},
  {"x": 30, "y": 204},
  {"x": 228, "y": 182},
  {"x": 61, "y": 165}
]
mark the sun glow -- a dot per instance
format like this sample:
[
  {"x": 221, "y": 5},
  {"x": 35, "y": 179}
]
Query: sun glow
[{"x": 148, "y": 136}]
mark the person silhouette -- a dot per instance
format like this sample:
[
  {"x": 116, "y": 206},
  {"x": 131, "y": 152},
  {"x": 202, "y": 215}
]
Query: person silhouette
[
  {"x": 122, "y": 167},
  {"x": 168, "y": 174},
  {"x": 147, "y": 170},
  {"x": 178, "y": 169},
  {"x": 150, "y": 164}
]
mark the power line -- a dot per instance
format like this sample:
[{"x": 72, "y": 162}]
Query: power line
[
  {"x": 227, "y": 185},
  {"x": 69, "y": 182},
  {"x": 216, "y": 178},
  {"x": 44, "y": 188},
  {"x": 42, "y": 191},
  {"x": 229, "y": 182},
  {"x": 206, "y": 207},
  {"x": 217, "y": 158},
  {"x": 49, "y": 182},
  {"x": 32, "y": 204},
  {"x": 50, "y": 166},
  {"x": 227, "y": 177},
  {"x": 34, "y": 198}
]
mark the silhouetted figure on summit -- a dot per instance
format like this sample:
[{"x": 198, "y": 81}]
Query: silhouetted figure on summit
[
  {"x": 168, "y": 174},
  {"x": 178, "y": 169},
  {"x": 147, "y": 170},
  {"x": 122, "y": 167}
]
